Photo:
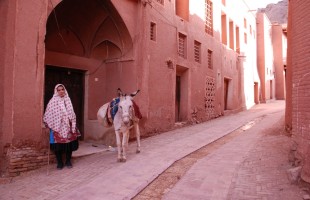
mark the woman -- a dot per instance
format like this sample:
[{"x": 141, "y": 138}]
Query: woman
[{"x": 60, "y": 118}]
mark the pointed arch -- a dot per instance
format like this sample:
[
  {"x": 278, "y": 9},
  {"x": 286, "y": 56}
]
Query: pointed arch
[{"x": 78, "y": 27}]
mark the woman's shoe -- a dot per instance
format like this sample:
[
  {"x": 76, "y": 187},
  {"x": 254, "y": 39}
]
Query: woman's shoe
[
  {"x": 69, "y": 164},
  {"x": 60, "y": 166}
]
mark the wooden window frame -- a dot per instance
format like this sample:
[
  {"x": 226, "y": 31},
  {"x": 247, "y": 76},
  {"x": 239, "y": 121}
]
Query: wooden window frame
[
  {"x": 153, "y": 31},
  {"x": 182, "y": 45},
  {"x": 197, "y": 51},
  {"x": 210, "y": 59}
]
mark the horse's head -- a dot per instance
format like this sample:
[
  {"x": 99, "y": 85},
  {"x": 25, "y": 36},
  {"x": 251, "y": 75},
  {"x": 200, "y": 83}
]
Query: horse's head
[{"x": 125, "y": 106}]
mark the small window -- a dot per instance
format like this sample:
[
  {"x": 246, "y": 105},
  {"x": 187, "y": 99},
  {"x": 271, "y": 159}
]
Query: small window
[
  {"x": 250, "y": 29},
  {"x": 153, "y": 31},
  {"x": 245, "y": 23},
  {"x": 245, "y": 38},
  {"x": 210, "y": 61},
  {"x": 182, "y": 45},
  {"x": 197, "y": 50}
]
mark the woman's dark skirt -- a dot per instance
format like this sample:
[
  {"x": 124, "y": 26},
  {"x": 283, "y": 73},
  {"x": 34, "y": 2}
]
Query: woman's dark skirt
[{"x": 65, "y": 147}]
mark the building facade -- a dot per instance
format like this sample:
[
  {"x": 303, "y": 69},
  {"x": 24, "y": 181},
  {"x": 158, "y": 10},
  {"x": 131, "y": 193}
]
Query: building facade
[
  {"x": 271, "y": 58},
  {"x": 298, "y": 82},
  {"x": 192, "y": 60}
]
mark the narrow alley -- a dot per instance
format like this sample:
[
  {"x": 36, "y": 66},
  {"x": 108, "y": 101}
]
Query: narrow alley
[{"x": 239, "y": 156}]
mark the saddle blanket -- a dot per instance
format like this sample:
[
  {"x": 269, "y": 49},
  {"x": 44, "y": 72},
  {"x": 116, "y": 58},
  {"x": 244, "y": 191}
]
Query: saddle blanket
[{"x": 106, "y": 113}]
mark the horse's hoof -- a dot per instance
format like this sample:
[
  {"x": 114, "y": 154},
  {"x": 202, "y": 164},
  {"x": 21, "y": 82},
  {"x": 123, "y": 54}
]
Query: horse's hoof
[
  {"x": 138, "y": 151},
  {"x": 119, "y": 160},
  {"x": 124, "y": 160}
]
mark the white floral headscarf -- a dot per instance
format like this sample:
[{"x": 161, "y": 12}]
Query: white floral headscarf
[{"x": 59, "y": 113}]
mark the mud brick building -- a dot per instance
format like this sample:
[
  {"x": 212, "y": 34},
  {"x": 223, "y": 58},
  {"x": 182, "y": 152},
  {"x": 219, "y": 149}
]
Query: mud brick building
[
  {"x": 298, "y": 82},
  {"x": 193, "y": 60}
]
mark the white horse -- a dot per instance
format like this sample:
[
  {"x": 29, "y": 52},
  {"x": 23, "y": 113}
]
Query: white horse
[{"x": 124, "y": 120}]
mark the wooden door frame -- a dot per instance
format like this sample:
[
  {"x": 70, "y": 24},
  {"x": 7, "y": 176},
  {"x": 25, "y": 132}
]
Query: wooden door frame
[{"x": 80, "y": 114}]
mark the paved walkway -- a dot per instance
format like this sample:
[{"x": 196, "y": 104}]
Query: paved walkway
[
  {"x": 223, "y": 174},
  {"x": 252, "y": 166}
]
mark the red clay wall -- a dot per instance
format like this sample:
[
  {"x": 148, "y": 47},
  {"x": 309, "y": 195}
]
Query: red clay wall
[
  {"x": 6, "y": 60},
  {"x": 265, "y": 58},
  {"x": 22, "y": 81},
  {"x": 299, "y": 43},
  {"x": 278, "y": 48},
  {"x": 289, "y": 71}
]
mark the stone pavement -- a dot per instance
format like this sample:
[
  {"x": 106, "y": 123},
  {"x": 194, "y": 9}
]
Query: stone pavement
[
  {"x": 234, "y": 171},
  {"x": 252, "y": 166}
]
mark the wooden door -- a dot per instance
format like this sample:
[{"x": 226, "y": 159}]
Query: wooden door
[
  {"x": 73, "y": 80},
  {"x": 226, "y": 82},
  {"x": 177, "y": 98}
]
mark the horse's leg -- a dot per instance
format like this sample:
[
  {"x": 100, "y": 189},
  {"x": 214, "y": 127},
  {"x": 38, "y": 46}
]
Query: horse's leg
[
  {"x": 125, "y": 144},
  {"x": 119, "y": 146},
  {"x": 137, "y": 130}
]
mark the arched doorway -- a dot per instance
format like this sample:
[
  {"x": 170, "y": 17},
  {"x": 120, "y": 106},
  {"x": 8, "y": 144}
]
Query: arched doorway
[{"x": 85, "y": 38}]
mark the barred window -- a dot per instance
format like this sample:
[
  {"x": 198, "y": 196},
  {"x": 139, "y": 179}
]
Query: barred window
[
  {"x": 197, "y": 50},
  {"x": 209, "y": 17},
  {"x": 153, "y": 31},
  {"x": 182, "y": 45},
  {"x": 210, "y": 59}
]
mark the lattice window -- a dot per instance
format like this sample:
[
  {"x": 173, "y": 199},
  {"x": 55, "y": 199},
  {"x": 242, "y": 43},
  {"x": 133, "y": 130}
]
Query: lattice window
[
  {"x": 153, "y": 31},
  {"x": 197, "y": 51},
  {"x": 160, "y": 1},
  {"x": 210, "y": 97},
  {"x": 210, "y": 59},
  {"x": 182, "y": 45},
  {"x": 209, "y": 17}
]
